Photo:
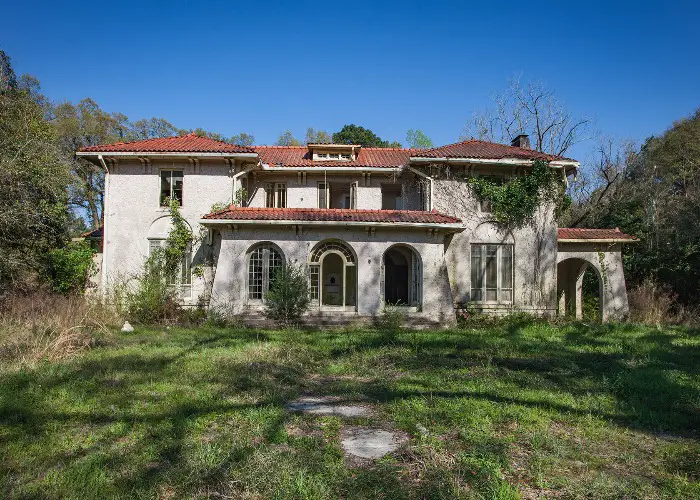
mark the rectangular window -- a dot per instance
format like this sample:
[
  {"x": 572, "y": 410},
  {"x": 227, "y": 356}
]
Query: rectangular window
[
  {"x": 392, "y": 198},
  {"x": 321, "y": 156},
  {"x": 183, "y": 277},
  {"x": 276, "y": 195},
  {"x": 322, "y": 195},
  {"x": 492, "y": 273},
  {"x": 344, "y": 156},
  {"x": 170, "y": 186},
  {"x": 313, "y": 282}
]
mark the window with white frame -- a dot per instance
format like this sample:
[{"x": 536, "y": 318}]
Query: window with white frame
[
  {"x": 492, "y": 273},
  {"x": 276, "y": 195},
  {"x": 263, "y": 262},
  {"x": 171, "y": 183},
  {"x": 183, "y": 276},
  {"x": 323, "y": 195}
]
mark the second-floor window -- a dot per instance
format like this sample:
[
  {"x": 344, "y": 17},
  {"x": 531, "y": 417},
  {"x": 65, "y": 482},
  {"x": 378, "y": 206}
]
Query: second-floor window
[
  {"x": 276, "y": 195},
  {"x": 492, "y": 273},
  {"x": 322, "y": 195},
  {"x": 171, "y": 182},
  {"x": 392, "y": 198}
]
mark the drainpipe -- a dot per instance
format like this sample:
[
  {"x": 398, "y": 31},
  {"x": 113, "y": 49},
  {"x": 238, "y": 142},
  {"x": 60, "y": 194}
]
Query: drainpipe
[
  {"x": 105, "y": 213},
  {"x": 430, "y": 186}
]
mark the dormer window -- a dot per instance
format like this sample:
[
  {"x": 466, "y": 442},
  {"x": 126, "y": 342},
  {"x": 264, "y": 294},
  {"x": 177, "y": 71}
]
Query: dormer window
[{"x": 334, "y": 152}]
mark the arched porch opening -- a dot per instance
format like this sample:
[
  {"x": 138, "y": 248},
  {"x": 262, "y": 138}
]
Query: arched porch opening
[
  {"x": 402, "y": 276},
  {"x": 580, "y": 289},
  {"x": 333, "y": 275}
]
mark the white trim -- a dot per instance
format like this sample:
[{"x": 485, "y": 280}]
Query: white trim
[
  {"x": 167, "y": 155},
  {"x": 450, "y": 226}
]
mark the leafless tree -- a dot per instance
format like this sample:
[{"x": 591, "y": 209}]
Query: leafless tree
[
  {"x": 594, "y": 187},
  {"x": 530, "y": 108}
]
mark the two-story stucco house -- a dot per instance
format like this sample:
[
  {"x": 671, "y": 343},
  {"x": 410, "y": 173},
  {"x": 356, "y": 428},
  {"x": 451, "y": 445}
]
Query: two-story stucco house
[{"x": 371, "y": 225}]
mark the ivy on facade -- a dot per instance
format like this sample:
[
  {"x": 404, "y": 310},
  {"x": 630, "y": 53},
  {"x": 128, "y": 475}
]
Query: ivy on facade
[{"x": 515, "y": 202}]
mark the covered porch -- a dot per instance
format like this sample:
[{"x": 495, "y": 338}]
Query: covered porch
[{"x": 592, "y": 250}]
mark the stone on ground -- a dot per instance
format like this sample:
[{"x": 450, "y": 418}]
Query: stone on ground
[
  {"x": 127, "y": 327},
  {"x": 366, "y": 442},
  {"x": 327, "y": 405}
]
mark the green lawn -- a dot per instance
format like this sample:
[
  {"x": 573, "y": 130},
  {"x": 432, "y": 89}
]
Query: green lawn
[{"x": 525, "y": 409}]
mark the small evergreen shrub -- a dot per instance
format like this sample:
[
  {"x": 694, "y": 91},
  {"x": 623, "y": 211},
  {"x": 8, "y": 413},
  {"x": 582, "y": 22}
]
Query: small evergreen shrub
[
  {"x": 70, "y": 267},
  {"x": 288, "y": 297}
]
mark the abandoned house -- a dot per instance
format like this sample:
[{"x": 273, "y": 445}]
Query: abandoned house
[{"x": 372, "y": 226}]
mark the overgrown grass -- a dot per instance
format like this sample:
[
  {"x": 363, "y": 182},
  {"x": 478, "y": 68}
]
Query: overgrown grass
[{"x": 520, "y": 409}]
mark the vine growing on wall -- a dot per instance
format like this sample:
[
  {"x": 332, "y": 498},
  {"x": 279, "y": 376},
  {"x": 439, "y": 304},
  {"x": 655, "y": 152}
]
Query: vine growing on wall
[
  {"x": 179, "y": 239},
  {"x": 515, "y": 202}
]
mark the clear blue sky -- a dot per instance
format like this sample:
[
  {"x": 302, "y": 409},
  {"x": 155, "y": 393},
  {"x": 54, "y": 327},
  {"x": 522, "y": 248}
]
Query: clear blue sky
[{"x": 262, "y": 67}]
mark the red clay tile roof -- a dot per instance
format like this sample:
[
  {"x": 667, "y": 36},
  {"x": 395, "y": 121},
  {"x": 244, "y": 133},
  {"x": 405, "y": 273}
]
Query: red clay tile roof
[
  {"x": 93, "y": 233},
  {"x": 333, "y": 215},
  {"x": 190, "y": 143},
  {"x": 484, "y": 150},
  {"x": 299, "y": 156},
  {"x": 576, "y": 233}
]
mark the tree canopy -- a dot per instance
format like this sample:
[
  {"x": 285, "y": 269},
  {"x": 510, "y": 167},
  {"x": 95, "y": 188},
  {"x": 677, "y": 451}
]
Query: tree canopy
[
  {"x": 355, "y": 134},
  {"x": 418, "y": 140}
]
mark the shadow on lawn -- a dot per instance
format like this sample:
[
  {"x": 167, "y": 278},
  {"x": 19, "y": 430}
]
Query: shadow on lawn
[
  {"x": 136, "y": 411},
  {"x": 651, "y": 376}
]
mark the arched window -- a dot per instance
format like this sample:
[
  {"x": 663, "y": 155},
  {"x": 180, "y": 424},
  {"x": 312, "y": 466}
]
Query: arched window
[
  {"x": 333, "y": 275},
  {"x": 263, "y": 262}
]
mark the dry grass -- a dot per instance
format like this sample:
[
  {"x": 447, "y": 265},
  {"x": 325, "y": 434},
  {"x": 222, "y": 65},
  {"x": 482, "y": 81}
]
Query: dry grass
[
  {"x": 48, "y": 326},
  {"x": 655, "y": 305}
]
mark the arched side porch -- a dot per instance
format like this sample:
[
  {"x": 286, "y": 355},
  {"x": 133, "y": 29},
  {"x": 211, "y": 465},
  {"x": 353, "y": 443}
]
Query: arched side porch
[{"x": 573, "y": 259}]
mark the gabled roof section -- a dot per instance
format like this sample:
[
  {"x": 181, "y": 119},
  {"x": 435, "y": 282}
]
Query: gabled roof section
[
  {"x": 319, "y": 215},
  {"x": 589, "y": 235},
  {"x": 485, "y": 150},
  {"x": 189, "y": 143},
  {"x": 300, "y": 156}
]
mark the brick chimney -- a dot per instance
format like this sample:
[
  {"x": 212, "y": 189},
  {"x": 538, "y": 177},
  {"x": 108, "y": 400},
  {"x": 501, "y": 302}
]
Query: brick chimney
[{"x": 521, "y": 141}]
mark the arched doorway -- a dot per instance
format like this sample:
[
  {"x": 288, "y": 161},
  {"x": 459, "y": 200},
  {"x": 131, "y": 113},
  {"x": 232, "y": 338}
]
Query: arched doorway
[
  {"x": 333, "y": 275},
  {"x": 580, "y": 289},
  {"x": 402, "y": 276}
]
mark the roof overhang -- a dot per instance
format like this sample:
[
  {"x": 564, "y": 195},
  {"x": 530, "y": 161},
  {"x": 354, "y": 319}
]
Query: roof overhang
[
  {"x": 520, "y": 162},
  {"x": 597, "y": 240},
  {"x": 175, "y": 154},
  {"x": 319, "y": 168},
  {"x": 451, "y": 228}
]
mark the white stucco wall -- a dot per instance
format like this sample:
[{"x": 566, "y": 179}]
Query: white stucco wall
[
  {"x": 534, "y": 247},
  {"x": 606, "y": 260},
  {"x": 133, "y": 207},
  {"x": 230, "y": 284}
]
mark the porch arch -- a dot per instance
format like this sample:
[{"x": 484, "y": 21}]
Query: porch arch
[
  {"x": 570, "y": 275},
  {"x": 402, "y": 276},
  {"x": 333, "y": 275}
]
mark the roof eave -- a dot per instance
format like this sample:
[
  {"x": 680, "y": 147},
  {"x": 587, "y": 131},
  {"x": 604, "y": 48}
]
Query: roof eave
[
  {"x": 315, "y": 168},
  {"x": 492, "y": 161},
  {"x": 596, "y": 240},
  {"x": 172, "y": 154},
  {"x": 450, "y": 227}
]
